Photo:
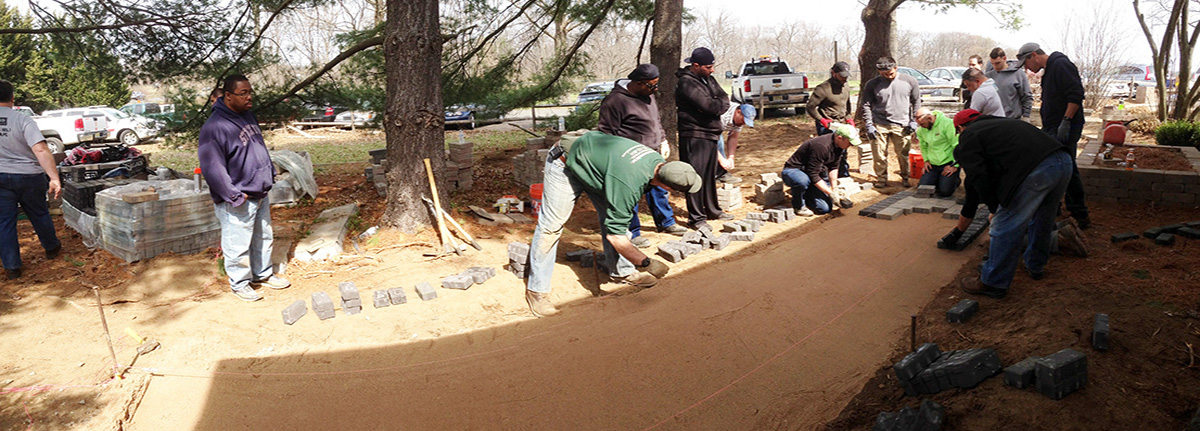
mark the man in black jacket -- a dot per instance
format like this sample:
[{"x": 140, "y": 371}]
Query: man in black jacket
[
  {"x": 701, "y": 101},
  {"x": 1021, "y": 174},
  {"x": 631, "y": 111},
  {"x": 830, "y": 102},
  {"x": 1062, "y": 113}
]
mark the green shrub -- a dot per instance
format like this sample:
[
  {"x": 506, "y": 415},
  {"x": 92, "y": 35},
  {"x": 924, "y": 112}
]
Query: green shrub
[{"x": 1178, "y": 134}]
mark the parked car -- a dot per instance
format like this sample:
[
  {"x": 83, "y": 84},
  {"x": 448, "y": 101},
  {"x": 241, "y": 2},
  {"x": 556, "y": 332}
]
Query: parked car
[
  {"x": 323, "y": 113},
  {"x": 24, "y": 110},
  {"x": 595, "y": 91},
  {"x": 66, "y": 128},
  {"x": 361, "y": 117},
  {"x": 946, "y": 74},
  {"x": 462, "y": 115},
  {"x": 927, "y": 84},
  {"x": 126, "y": 128},
  {"x": 788, "y": 89},
  {"x": 1133, "y": 76}
]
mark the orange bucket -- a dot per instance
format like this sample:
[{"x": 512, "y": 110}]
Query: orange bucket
[
  {"x": 916, "y": 164},
  {"x": 535, "y": 198}
]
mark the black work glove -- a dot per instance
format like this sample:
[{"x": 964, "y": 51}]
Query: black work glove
[
  {"x": 950, "y": 239},
  {"x": 1064, "y": 131},
  {"x": 845, "y": 203}
]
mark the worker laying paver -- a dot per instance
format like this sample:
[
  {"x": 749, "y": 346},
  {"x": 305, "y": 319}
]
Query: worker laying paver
[
  {"x": 812, "y": 173},
  {"x": 614, "y": 173}
]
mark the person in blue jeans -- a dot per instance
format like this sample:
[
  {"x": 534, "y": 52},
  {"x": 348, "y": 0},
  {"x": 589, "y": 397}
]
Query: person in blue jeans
[
  {"x": 812, "y": 171},
  {"x": 613, "y": 172},
  {"x": 27, "y": 173},
  {"x": 1021, "y": 174}
]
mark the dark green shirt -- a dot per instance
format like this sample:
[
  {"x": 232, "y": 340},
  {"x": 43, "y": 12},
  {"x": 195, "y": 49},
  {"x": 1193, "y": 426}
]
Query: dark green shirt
[{"x": 615, "y": 169}]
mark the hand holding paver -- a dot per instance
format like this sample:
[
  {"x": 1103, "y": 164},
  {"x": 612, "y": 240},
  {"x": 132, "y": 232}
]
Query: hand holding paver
[{"x": 657, "y": 268}]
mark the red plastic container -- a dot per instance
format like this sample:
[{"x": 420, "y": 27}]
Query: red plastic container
[
  {"x": 916, "y": 163},
  {"x": 535, "y": 198}
]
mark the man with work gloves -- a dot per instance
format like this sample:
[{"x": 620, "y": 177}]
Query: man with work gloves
[
  {"x": 614, "y": 172},
  {"x": 812, "y": 171}
]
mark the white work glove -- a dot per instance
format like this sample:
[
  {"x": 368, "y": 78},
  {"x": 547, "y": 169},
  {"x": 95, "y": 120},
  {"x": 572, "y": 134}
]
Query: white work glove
[{"x": 665, "y": 149}]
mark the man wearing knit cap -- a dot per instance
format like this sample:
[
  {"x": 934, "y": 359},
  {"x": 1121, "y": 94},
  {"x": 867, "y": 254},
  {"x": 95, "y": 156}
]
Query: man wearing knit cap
[
  {"x": 1062, "y": 113},
  {"x": 614, "y": 173},
  {"x": 1020, "y": 173},
  {"x": 830, "y": 102},
  {"x": 812, "y": 171},
  {"x": 631, "y": 111},
  {"x": 700, "y": 101}
]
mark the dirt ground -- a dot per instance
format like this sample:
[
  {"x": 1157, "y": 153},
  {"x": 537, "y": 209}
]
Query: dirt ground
[{"x": 777, "y": 334}]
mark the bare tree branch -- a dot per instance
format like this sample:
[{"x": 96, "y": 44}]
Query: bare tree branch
[{"x": 350, "y": 52}]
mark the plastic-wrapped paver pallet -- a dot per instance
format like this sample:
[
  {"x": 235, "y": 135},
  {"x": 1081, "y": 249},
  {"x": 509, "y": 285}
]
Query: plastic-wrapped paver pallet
[{"x": 182, "y": 220}]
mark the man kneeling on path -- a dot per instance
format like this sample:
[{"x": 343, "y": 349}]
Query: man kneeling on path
[
  {"x": 808, "y": 171},
  {"x": 1020, "y": 173},
  {"x": 936, "y": 138},
  {"x": 614, "y": 172}
]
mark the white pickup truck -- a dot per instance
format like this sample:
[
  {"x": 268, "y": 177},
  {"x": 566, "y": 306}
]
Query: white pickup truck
[
  {"x": 67, "y": 128},
  {"x": 769, "y": 83}
]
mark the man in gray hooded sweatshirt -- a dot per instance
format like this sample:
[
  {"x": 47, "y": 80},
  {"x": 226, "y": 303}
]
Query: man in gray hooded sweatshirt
[
  {"x": 1012, "y": 85},
  {"x": 239, "y": 172}
]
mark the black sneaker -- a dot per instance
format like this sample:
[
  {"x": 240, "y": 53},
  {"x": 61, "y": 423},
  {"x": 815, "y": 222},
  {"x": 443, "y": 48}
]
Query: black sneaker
[
  {"x": 53, "y": 254},
  {"x": 13, "y": 274},
  {"x": 1083, "y": 222},
  {"x": 973, "y": 286}
]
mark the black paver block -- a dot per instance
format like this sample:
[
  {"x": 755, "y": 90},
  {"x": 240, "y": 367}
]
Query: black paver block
[
  {"x": 1165, "y": 239},
  {"x": 962, "y": 311},
  {"x": 294, "y": 312},
  {"x": 585, "y": 261},
  {"x": 1100, "y": 332},
  {"x": 347, "y": 290},
  {"x": 380, "y": 298},
  {"x": 426, "y": 291},
  {"x": 886, "y": 421},
  {"x": 1172, "y": 228},
  {"x": 1061, "y": 373},
  {"x": 1153, "y": 232},
  {"x": 1189, "y": 232},
  {"x": 1194, "y": 424},
  {"x": 1119, "y": 237},
  {"x": 575, "y": 256},
  {"x": 910, "y": 365},
  {"x": 396, "y": 296},
  {"x": 458, "y": 282},
  {"x": 322, "y": 305},
  {"x": 930, "y": 417},
  {"x": 1021, "y": 374},
  {"x": 1195, "y": 224}
]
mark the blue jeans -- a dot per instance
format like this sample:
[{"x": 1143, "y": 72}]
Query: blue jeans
[
  {"x": 660, "y": 208},
  {"x": 559, "y": 193},
  {"x": 246, "y": 238},
  {"x": 28, "y": 191},
  {"x": 804, "y": 193},
  {"x": 944, "y": 185},
  {"x": 1031, "y": 211},
  {"x": 1074, "y": 199}
]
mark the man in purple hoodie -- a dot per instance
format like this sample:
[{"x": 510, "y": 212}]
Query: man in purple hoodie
[{"x": 238, "y": 169}]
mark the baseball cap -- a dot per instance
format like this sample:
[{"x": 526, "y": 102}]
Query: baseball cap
[
  {"x": 644, "y": 72},
  {"x": 748, "y": 113},
  {"x": 702, "y": 56},
  {"x": 1026, "y": 51},
  {"x": 965, "y": 116},
  {"x": 849, "y": 132},
  {"x": 680, "y": 176},
  {"x": 842, "y": 69}
]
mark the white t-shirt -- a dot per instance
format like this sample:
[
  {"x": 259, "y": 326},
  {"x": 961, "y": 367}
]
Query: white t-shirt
[
  {"x": 727, "y": 119},
  {"x": 18, "y": 134}
]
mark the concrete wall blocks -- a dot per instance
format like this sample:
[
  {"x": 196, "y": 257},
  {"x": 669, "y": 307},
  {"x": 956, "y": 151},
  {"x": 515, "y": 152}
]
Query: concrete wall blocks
[
  {"x": 347, "y": 290},
  {"x": 962, "y": 311},
  {"x": 458, "y": 282},
  {"x": 396, "y": 296},
  {"x": 295, "y": 311},
  {"x": 1062, "y": 373},
  {"x": 1100, "y": 332},
  {"x": 322, "y": 305},
  {"x": 518, "y": 252},
  {"x": 380, "y": 298}
]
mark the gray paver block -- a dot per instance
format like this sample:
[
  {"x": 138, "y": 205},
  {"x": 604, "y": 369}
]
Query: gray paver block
[
  {"x": 480, "y": 274},
  {"x": 458, "y": 281},
  {"x": 889, "y": 213},
  {"x": 1172, "y": 228},
  {"x": 380, "y": 298},
  {"x": 741, "y": 236},
  {"x": 1120, "y": 237},
  {"x": 721, "y": 242},
  {"x": 1100, "y": 332},
  {"x": 518, "y": 252},
  {"x": 1189, "y": 232},
  {"x": 347, "y": 290},
  {"x": 1165, "y": 239},
  {"x": 322, "y": 305},
  {"x": 425, "y": 291},
  {"x": 396, "y": 296},
  {"x": 926, "y": 190},
  {"x": 962, "y": 311},
  {"x": 691, "y": 248},
  {"x": 294, "y": 312},
  {"x": 1153, "y": 232},
  {"x": 755, "y": 225},
  {"x": 671, "y": 252},
  {"x": 952, "y": 212},
  {"x": 1020, "y": 375},
  {"x": 1062, "y": 373}
]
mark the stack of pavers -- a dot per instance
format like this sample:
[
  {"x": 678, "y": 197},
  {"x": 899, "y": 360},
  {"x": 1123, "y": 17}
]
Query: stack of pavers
[
  {"x": 773, "y": 215},
  {"x": 729, "y": 197},
  {"x": 460, "y": 169},
  {"x": 769, "y": 191},
  {"x": 528, "y": 166},
  {"x": 82, "y": 194},
  {"x": 351, "y": 301},
  {"x": 692, "y": 242},
  {"x": 1055, "y": 376},
  {"x": 472, "y": 276},
  {"x": 377, "y": 173},
  {"x": 177, "y": 218},
  {"x": 742, "y": 230},
  {"x": 518, "y": 259},
  {"x": 929, "y": 371},
  {"x": 929, "y": 417},
  {"x": 1163, "y": 235},
  {"x": 322, "y": 305}
]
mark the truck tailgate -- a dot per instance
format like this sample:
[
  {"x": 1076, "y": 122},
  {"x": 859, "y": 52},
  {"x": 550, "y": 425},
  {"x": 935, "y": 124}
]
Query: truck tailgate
[
  {"x": 776, "y": 82},
  {"x": 93, "y": 123}
]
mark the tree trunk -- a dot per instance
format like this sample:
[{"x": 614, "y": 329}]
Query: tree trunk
[
  {"x": 665, "y": 53},
  {"x": 879, "y": 21},
  {"x": 414, "y": 119}
]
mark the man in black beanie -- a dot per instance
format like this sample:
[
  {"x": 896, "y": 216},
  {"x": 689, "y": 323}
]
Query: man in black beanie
[
  {"x": 701, "y": 101},
  {"x": 631, "y": 111}
]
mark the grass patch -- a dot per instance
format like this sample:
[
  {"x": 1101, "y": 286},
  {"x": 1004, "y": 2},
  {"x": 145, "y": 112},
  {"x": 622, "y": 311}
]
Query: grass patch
[{"x": 487, "y": 140}]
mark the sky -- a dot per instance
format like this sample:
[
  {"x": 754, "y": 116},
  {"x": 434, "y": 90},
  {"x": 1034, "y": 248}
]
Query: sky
[{"x": 1043, "y": 19}]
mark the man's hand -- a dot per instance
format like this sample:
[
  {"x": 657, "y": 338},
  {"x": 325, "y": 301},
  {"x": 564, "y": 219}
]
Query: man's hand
[
  {"x": 915, "y": 140},
  {"x": 871, "y": 131},
  {"x": 825, "y": 122},
  {"x": 951, "y": 237},
  {"x": 725, "y": 162},
  {"x": 1064, "y": 131},
  {"x": 927, "y": 168},
  {"x": 656, "y": 268},
  {"x": 910, "y": 129},
  {"x": 55, "y": 188},
  {"x": 948, "y": 170},
  {"x": 665, "y": 149}
]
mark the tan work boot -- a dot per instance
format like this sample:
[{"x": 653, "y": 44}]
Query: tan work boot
[
  {"x": 637, "y": 278},
  {"x": 539, "y": 304}
]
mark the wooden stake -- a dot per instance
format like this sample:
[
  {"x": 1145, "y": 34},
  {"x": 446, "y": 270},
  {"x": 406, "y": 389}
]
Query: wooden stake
[
  {"x": 442, "y": 231},
  {"x": 107, "y": 337}
]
